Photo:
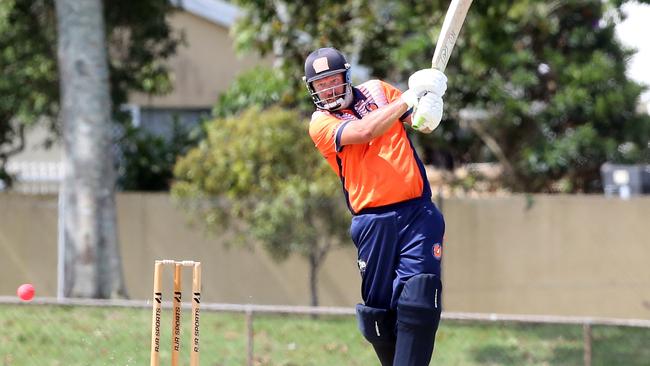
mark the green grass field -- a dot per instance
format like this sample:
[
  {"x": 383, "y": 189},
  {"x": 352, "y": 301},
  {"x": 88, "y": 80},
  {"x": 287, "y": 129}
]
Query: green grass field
[{"x": 54, "y": 335}]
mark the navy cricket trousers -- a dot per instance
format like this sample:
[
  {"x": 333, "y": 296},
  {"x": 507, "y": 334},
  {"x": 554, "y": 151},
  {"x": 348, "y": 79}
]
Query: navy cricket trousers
[{"x": 394, "y": 243}]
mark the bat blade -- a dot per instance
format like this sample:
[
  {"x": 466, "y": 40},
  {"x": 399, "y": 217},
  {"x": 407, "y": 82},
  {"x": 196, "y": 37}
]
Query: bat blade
[{"x": 449, "y": 33}]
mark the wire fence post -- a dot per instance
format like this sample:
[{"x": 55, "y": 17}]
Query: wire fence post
[
  {"x": 250, "y": 341},
  {"x": 586, "y": 333}
]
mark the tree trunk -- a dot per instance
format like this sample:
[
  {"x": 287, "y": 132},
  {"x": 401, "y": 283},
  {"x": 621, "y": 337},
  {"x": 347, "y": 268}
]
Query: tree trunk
[
  {"x": 314, "y": 266},
  {"x": 316, "y": 258},
  {"x": 92, "y": 259}
]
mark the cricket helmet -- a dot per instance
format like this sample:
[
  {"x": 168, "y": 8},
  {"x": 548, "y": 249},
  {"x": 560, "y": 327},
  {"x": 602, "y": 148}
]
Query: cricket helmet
[{"x": 322, "y": 63}]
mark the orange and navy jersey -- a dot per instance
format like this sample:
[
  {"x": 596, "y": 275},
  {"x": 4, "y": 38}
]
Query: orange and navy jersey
[{"x": 381, "y": 172}]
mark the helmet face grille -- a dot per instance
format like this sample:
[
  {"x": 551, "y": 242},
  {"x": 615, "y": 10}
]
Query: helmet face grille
[{"x": 332, "y": 101}]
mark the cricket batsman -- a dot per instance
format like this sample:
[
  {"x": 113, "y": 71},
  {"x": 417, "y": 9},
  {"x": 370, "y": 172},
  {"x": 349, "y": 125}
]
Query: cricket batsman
[{"x": 396, "y": 228}]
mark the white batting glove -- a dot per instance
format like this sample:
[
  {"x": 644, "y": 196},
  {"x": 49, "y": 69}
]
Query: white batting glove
[
  {"x": 428, "y": 113},
  {"x": 428, "y": 81}
]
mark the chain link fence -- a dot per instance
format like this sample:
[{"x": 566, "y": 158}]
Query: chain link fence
[{"x": 90, "y": 332}]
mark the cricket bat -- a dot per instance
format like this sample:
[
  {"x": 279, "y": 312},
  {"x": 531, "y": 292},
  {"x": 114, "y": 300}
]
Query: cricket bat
[
  {"x": 446, "y": 40},
  {"x": 449, "y": 33}
]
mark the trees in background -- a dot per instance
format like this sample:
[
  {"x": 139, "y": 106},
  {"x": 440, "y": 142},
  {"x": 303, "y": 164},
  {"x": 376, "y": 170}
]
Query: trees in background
[
  {"x": 549, "y": 77},
  {"x": 260, "y": 86},
  {"x": 140, "y": 40},
  {"x": 258, "y": 174},
  {"x": 538, "y": 87},
  {"x": 147, "y": 160},
  {"x": 90, "y": 88},
  {"x": 545, "y": 80}
]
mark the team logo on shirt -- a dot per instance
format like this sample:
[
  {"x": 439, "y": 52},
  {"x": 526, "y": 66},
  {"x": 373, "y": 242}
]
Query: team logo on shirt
[
  {"x": 371, "y": 107},
  {"x": 437, "y": 251}
]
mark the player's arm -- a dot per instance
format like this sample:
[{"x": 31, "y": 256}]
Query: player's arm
[{"x": 373, "y": 124}]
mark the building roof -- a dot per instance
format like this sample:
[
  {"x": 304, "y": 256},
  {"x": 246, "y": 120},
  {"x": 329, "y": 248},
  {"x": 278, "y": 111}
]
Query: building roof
[{"x": 216, "y": 11}]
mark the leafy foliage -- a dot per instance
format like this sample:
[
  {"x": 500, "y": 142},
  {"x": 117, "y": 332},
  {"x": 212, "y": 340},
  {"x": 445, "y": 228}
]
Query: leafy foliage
[
  {"x": 264, "y": 164},
  {"x": 550, "y": 75},
  {"x": 260, "y": 86},
  {"x": 258, "y": 171},
  {"x": 291, "y": 29},
  {"x": 556, "y": 85},
  {"x": 140, "y": 39},
  {"x": 147, "y": 160}
]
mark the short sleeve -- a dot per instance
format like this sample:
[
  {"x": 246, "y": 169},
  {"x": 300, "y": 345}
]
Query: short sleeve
[
  {"x": 391, "y": 92},
  {"x": 324, "y": 131}
]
